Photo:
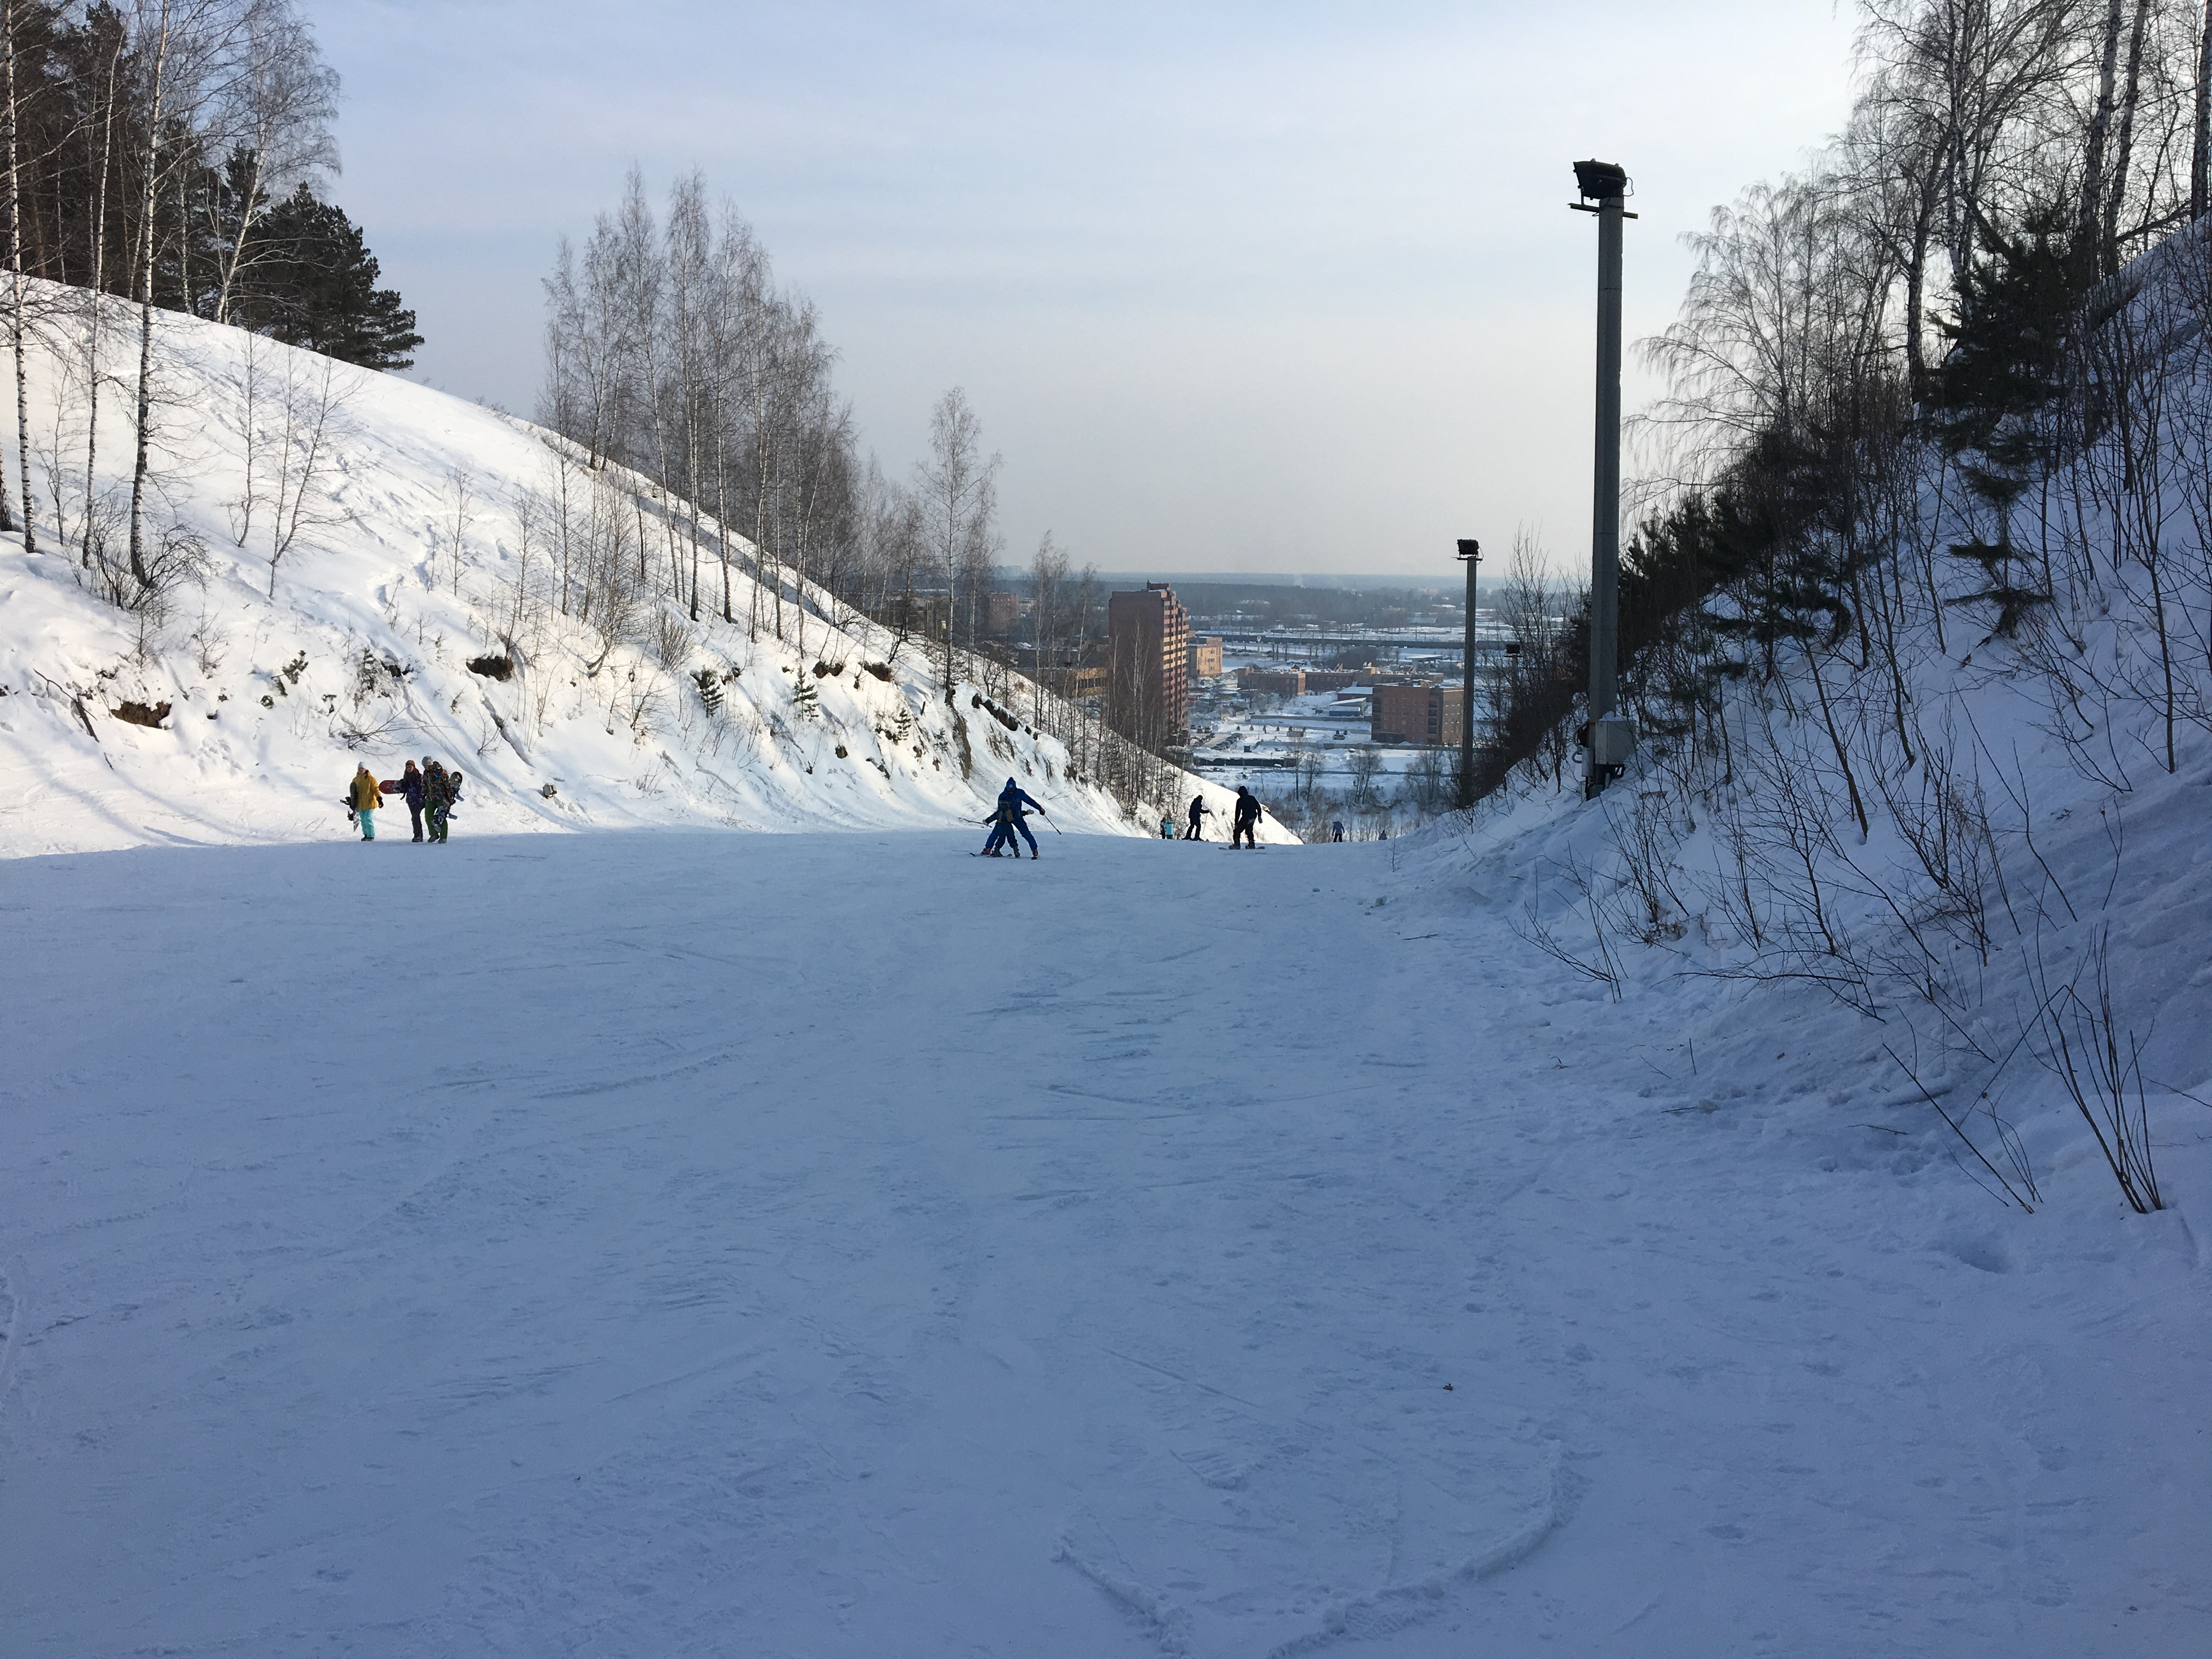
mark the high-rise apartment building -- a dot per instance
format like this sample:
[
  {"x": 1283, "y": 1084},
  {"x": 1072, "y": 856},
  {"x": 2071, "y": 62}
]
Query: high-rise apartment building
[{"x": 1148, "y": 645}]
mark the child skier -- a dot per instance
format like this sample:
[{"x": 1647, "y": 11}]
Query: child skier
[{"x": 1006, "y": 820}]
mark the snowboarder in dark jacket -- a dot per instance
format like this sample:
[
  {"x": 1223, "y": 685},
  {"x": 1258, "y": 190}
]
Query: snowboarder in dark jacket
[
  {"x": 1006, "y": 821},
  {"x": 409, "y": 784},
  {"x": 1244, "y": 825}
]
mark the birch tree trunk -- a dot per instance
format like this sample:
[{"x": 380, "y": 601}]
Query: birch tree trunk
[
  {"x": 99, "y": 301},
  {"x": 2116, "y": 196},
  {"x": 2200, "y": 158},
  {"x": 146, "y": 299},
  {"x": 2101, "y": 121},
  {"x": 15, "y": 313}
]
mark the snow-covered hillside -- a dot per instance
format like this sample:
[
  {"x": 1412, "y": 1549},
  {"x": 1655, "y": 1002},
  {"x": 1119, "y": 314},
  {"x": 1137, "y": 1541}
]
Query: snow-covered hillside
[
  {"x": 379, "y": 607},
  {"x": 1965, "y": 836}
]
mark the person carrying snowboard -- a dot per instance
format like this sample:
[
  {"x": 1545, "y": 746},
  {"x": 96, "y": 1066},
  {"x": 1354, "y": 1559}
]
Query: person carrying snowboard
[
  {"x": 1198, "y": 811},
  {"x": 410, "y": 785},
  {"x": 1245, "y": 823},
  {"x": 1008, "y": 821},
  {"x": 362, "y": 798},
  {"x": 437, "y": 796}
]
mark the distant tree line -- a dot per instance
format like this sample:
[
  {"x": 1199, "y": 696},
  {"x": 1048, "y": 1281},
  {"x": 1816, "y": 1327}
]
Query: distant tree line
[
  {"x": 671, "y": 349},
  {"x": 176, "y": 148},
  {"x": 164, "y": 155},
  {"x": 710, "y": 441}
]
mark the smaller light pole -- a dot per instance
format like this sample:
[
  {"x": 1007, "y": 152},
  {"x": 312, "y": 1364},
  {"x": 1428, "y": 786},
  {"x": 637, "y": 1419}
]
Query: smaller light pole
[{"x": 1470, "y": 554}]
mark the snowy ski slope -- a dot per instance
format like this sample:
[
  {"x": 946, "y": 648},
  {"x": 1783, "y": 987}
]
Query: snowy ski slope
[
  {"x": 678, "y": 1243},
  {"x": 687, "y": 1242}
]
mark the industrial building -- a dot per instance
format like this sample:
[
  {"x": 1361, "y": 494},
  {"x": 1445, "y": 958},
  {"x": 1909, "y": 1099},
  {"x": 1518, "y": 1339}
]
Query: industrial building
[{"x": 1422, "y": 714}]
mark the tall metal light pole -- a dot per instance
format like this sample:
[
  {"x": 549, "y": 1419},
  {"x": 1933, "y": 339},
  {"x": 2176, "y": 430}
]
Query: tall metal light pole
[
  {"x": 1611, "y": 740},
  {"x": 1470, "y": 553}
]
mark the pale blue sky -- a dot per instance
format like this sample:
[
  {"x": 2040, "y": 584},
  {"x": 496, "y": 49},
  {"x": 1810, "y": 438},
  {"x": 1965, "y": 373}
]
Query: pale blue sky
[{"x": 1233, "y": 286}]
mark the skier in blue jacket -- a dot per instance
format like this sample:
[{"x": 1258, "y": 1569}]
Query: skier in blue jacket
[{"x": 1008, "y": 820}]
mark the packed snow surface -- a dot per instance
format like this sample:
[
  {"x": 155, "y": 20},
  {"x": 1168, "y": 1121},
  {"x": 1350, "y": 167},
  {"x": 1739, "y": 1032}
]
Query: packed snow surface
[{"x": 677, "y": 1242}]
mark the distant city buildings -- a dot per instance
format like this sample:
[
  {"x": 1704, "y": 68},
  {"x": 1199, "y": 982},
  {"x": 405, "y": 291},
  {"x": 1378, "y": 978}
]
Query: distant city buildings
[
  {"x": 1078, "y": 684},
  {"x": 919, "y": 616},
  {"x": 1420, "y": 714},
  {"x": 1277, "y": 681},
  {"x": 1000, "y": 612},
  {"x": 1206, "y": 658},
  {"x": 1336, "y": 679},
  {"x": 1148, "y": 649}
]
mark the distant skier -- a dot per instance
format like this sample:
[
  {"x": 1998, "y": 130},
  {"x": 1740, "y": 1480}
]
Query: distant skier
[
  {"x": 1244, "y": 824},
  {"x": 1336, "y": 829},
  {"x": 1167, "y": 828},
  {"x": 1198, "y": 811},
  {"x": 363, "y": 797},
  {"x": 1008, "y": 821}
]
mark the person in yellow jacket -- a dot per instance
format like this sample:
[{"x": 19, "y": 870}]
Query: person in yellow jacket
[{"x": 364, "y": 796}]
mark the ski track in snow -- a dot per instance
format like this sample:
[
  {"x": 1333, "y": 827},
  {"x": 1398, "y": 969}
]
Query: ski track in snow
[{"x": 686, "y": 1243}]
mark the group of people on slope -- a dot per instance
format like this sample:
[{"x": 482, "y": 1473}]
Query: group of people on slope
[
  {"x": 1010, "y": 819},
  {"x": 430, "y": 791},
  {"x": 1244, "y": 823}
]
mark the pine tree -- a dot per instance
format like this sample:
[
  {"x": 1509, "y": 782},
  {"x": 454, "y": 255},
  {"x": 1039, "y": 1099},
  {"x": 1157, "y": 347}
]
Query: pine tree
[
  {"x": 312, "y": 282},
  {"x": 2019, "y": 304}
]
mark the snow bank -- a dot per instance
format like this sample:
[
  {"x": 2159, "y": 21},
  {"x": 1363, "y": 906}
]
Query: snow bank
[{"x": 2032, "y": 852}]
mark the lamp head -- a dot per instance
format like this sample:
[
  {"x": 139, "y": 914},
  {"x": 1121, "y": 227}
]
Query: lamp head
[{"x": 1597, "y": 180}]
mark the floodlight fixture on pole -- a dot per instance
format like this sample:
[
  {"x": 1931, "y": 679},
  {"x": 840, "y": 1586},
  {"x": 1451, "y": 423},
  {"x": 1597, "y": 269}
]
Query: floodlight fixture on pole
[
  {"x": 1608, "y": 740},
  {"x": 1470, "y": 554}
]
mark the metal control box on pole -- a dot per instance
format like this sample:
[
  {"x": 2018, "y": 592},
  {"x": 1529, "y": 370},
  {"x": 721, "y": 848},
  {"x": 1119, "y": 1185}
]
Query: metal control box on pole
[
  {"x": 1609, "y": 739},
  {"x": 1470, "y": 553}
]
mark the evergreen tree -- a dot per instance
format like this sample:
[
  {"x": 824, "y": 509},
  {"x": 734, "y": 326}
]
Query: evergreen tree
[
  {"x": 2020, "y": 303},
  {"x": 311, "y": 281}
]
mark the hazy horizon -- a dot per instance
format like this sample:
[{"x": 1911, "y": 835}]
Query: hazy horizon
[{"x": 1288, "y": 286}]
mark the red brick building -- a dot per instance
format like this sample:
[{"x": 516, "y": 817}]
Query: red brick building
[
  {"x": 1334, "y": 679},
  {"x": 1423, "y": 714}
]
